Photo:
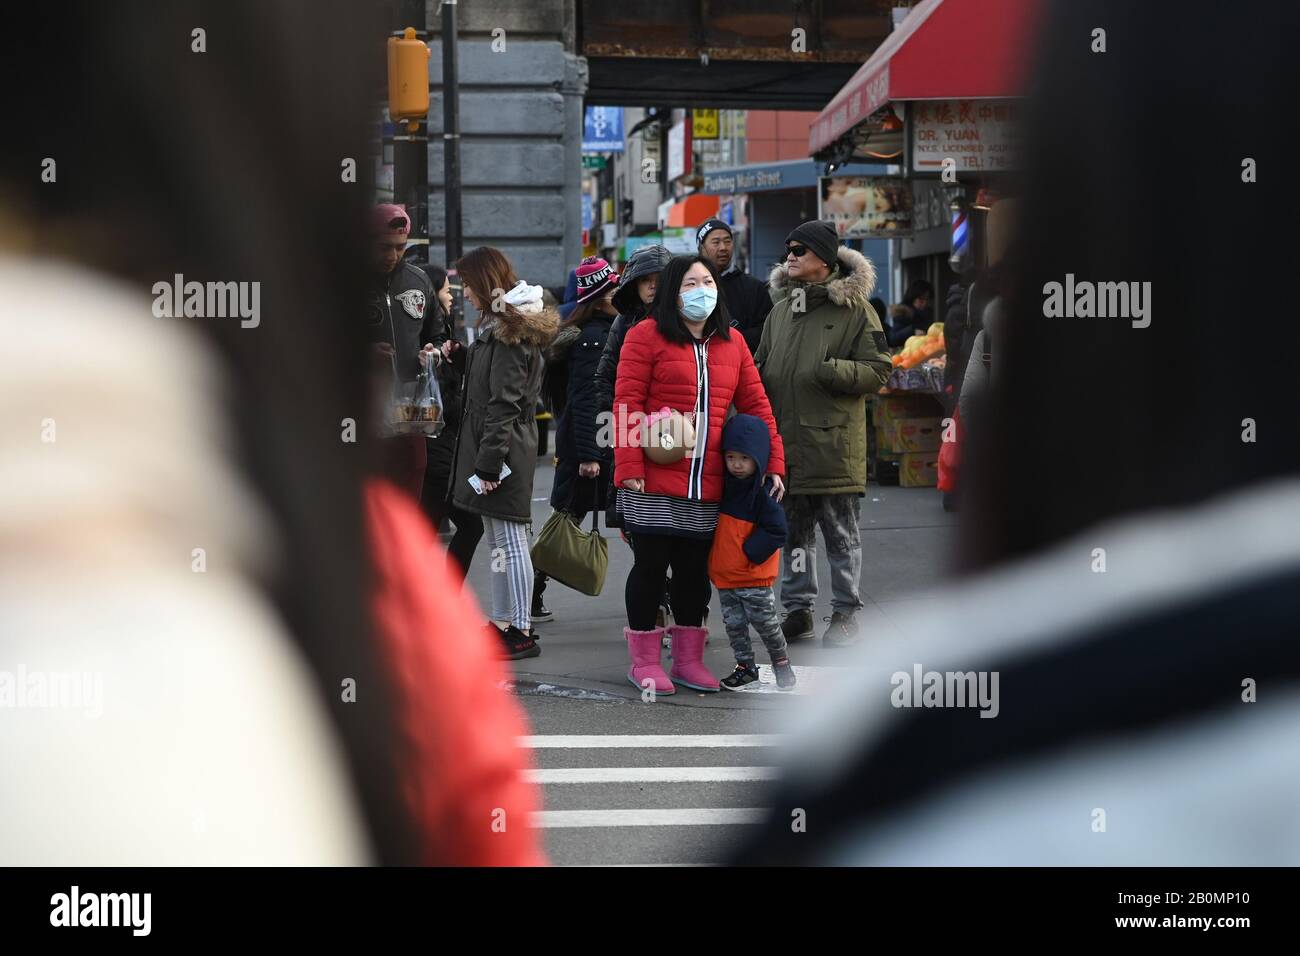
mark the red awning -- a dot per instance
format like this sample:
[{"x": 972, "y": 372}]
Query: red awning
[{"x": 944, "y": 50}]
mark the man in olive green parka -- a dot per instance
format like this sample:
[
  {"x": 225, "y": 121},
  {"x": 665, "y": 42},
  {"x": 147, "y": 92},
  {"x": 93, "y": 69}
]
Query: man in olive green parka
[{"x": 821, "y": 354}]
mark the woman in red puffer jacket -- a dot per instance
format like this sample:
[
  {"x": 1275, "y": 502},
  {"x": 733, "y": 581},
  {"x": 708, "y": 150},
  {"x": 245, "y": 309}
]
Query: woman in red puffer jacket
[{"x": 686, "y": 360}]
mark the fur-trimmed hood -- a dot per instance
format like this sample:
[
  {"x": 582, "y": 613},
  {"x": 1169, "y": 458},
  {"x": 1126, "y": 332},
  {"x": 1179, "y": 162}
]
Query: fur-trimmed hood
[
  {"x": 526, "y": 328},
  {"x": 851, "y": 287}
]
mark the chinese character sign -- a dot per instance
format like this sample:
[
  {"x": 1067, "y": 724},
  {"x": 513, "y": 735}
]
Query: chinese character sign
[
  {"x": 705, "y": 124},
  {"x": 602, "y": 129},
  {"x": 977, "y": 135}
]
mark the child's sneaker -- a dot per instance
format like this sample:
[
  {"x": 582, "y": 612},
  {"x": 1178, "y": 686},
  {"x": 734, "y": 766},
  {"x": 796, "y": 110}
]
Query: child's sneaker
[
  {"x": 742, "y": 675},
  {"x": 784, "y": 671}
]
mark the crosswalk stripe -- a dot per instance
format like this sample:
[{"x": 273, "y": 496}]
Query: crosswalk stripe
[
  {"x": 575, "y": 741},
  {"x": 695, "y": 816},
  {"x": 653, "y": 774}
]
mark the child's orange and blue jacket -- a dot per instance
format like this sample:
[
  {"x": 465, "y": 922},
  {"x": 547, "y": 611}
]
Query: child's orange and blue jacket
[{"x": 751, "y": 524}]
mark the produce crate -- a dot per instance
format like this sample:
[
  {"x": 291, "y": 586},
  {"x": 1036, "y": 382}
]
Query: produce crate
[
  {"x": 915, "y": 434},
  {"x": 919, "y": 469},
  {"x": 902, "y": 405}
]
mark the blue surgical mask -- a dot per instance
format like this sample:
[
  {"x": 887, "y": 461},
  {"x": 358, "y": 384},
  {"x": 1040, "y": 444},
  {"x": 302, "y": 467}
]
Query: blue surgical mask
[{"x": 698, "y": 303}]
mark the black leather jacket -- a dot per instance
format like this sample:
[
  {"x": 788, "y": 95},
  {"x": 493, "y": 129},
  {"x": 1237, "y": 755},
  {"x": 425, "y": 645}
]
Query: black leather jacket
[{"x": 401, "y": 311}]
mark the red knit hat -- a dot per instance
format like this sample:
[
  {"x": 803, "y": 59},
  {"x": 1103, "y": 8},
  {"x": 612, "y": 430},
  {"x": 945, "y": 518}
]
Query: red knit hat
[{"x": 595, "y": 278}]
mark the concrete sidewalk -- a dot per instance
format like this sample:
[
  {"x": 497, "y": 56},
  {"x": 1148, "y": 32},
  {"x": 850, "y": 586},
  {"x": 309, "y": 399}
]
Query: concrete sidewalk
[{"x": 907, "y": 544}]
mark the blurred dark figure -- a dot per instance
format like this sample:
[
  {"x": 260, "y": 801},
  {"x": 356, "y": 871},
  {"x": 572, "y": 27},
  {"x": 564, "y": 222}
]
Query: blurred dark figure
[
  {"x": 1134, "y": 498},
  {"x": 995, "y": 285},
  {"x": 220, "y": 155},
  {"x": 971, "y": 326}
]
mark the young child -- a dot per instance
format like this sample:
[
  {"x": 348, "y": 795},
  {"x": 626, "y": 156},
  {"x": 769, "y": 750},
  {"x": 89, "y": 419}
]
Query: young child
[{"x": 745, "y": 557}]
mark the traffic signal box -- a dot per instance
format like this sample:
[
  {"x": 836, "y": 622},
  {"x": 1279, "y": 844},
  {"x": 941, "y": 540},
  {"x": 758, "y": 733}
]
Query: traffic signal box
[{"x": 408, "y": 79}]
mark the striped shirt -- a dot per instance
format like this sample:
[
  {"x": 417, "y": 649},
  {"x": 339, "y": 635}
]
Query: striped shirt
[{"x": 667, "y": 514}]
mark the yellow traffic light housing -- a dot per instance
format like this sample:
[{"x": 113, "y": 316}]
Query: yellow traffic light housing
[{"x": 408, "y": 79}]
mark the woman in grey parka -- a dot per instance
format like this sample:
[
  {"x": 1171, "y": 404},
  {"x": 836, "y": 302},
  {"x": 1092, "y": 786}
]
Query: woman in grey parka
[{"x": 503, "y": 378}]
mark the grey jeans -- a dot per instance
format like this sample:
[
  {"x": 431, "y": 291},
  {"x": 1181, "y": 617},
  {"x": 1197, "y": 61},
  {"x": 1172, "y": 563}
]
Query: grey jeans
[
  {"x": 837, "y": 515},
  {"x": 742, "y": 607}
]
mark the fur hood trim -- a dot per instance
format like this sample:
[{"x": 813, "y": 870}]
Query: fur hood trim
[
  {"x": 526, "y": 328},
  {"x": 851, "y": 288}
]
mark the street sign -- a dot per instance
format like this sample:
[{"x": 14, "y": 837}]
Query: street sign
[
  {"x": 679, "y": 150},
  {"x": 586, "y": 211},
  {"x": 976, "y": 135},
  {"x": 602, "y": 129},
  {"x": 704, "y": 124},
  {"x": 593, "y": 162}
]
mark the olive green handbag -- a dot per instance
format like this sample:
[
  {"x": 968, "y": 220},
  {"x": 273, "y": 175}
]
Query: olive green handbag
[{"x": 575, "y": 558}]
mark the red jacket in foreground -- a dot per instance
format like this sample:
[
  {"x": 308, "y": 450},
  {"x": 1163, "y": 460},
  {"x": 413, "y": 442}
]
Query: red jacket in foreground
[
  {"x": 654, "y": 373},
  {"x": 462, "y": 768}
]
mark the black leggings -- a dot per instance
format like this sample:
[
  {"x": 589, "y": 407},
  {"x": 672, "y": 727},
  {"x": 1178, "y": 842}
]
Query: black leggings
[
  {"x": 469, "y": 529},
  {"x": 689, "y": 590}
]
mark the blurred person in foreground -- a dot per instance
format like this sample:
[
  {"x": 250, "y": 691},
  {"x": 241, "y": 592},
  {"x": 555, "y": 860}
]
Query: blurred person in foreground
[
  {"x": 970, "y": 362},
  {"x": 1136, "y": 593},
  {"x": 253, "y": 625}
]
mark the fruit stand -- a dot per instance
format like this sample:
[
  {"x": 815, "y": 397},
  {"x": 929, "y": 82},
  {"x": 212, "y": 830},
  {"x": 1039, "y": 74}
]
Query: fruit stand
[{"x": 906, "y": 429}]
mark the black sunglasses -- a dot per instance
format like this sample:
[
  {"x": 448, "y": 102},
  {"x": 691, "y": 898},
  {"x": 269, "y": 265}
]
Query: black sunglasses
[{"x": 797, "y": 251}]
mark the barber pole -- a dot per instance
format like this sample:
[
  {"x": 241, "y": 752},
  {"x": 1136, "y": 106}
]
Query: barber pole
[{"x": 960, "y": 258}]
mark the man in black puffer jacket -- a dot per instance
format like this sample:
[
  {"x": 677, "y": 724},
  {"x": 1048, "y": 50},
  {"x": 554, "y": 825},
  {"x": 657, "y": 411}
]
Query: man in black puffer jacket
[{"x": 746, "y": 296}]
